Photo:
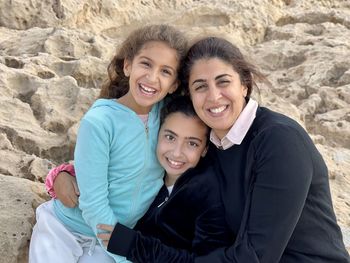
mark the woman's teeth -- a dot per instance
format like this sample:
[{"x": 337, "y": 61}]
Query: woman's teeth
[{"x": 217, "y": 110}]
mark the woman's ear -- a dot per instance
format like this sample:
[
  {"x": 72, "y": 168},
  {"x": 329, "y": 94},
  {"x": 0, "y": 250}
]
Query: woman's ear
[
  {"x": 245, "y": 91},
  {"x": 127, "y": 67}
]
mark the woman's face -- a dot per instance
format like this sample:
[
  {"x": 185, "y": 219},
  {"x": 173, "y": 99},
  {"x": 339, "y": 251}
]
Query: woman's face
[{"x": 217, "y": 94}]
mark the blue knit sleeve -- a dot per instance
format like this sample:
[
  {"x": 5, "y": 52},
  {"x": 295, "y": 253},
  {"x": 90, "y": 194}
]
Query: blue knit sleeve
[{"x": 91, "y": 164}]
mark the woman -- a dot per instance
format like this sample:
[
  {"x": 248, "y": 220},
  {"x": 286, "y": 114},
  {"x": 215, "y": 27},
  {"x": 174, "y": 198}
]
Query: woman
[{"x": 274, "y": 182}]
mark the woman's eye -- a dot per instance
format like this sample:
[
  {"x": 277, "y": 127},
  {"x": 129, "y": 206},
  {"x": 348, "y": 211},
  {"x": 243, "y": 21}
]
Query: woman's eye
[
  {"x": 223, "y": 82},
  {"x": 200, "y": 87}
]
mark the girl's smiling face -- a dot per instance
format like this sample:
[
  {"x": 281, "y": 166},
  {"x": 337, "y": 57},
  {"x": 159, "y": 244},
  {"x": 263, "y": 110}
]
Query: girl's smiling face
[
  {"x": 217, "y": 94},
  {"x": 182, "y": 141},
  {"x": 152, "y": 75}
]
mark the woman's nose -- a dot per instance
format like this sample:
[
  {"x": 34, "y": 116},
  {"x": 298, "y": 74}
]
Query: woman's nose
[{"x": 213, "y": 93}]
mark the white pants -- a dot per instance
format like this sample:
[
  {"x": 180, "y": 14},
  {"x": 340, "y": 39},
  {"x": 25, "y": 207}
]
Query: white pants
[{"x": 52, "y": 242}]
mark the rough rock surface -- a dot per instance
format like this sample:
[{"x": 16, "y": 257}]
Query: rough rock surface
[{"x": 53, "y": 58}]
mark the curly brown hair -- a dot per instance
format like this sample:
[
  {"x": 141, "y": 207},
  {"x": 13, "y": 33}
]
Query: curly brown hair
[{"x": 118, "y": 84}]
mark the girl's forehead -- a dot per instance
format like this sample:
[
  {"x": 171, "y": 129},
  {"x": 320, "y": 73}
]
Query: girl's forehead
[
  {"x": 159, "y": 51},
  {"x": 158, "y": 45},
  {"x": 177, "y": 119}
]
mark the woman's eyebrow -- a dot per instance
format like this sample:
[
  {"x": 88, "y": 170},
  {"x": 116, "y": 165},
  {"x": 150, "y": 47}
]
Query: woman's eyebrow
[
  {"x": 198, "y": 80},
  {"x": 223, "y": 75},
  {"x": 216, "y": 78}
]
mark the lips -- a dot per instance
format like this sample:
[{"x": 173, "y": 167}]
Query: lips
[
  {"x": 175, "y": 164},
  {"x": 217, "y": 110},
  {"x": 147, "y": 90}
]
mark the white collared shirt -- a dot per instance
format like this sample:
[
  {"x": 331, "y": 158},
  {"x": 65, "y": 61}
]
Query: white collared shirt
[{"x": 239, "y": 129}]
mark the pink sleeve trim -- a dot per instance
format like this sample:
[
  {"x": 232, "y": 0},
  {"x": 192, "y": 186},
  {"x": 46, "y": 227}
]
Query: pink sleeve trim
[{"x": 53, "y": 173}]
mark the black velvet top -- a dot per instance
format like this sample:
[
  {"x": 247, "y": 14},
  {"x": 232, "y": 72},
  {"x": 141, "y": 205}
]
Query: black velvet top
[
  {"x": 191, "y": 219},
  {"x": 275, "y": 191}
]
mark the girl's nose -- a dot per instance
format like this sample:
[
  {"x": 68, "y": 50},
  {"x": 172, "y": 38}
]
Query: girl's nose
[
  {"x": 177, "y": 150},
  {"x": 152, "y": 75}
]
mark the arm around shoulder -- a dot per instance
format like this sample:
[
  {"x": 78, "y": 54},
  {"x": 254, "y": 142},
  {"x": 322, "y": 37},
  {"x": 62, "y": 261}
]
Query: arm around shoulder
[{"x": 139, "y": 248}]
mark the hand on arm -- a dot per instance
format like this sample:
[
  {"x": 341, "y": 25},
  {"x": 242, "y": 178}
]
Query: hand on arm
[
  {"x": 66, "y": 189},
  {"x": 61, "y": 184},
  {"x": 139, "y": 248},
  {"x": 106, "y": 235}
]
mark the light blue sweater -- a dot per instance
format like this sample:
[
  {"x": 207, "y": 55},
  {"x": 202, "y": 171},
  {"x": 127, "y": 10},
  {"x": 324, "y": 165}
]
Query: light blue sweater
[{"x": 116, "y": 167}]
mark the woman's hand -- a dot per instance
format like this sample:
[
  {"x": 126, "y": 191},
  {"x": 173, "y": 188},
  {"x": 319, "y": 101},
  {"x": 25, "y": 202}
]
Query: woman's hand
[
  {"x": 66, "y": 189},
  {"x": 106, "y": 235}
]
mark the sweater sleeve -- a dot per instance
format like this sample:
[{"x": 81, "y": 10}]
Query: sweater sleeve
[
  {"x": 282, "y": 168},
  {"x": 53, "y": 173},
  {"x": 211, "y": 232},
  {"x": 137, "y": 247},
  {"x": 91, "y": 164}
]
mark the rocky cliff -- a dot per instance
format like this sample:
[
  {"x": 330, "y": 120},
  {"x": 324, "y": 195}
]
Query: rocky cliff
[{"x": 53, "y": 58}]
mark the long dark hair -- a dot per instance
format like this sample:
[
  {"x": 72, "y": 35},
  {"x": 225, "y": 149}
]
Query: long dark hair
[{"x": 215, "y": 47}]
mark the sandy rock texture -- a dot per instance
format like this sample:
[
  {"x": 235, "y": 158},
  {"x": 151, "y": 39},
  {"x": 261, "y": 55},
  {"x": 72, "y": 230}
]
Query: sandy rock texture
[{"x": 53, "y": 59}]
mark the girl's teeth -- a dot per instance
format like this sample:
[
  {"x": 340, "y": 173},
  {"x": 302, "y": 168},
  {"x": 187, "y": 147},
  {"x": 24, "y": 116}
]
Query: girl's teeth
[
  {"x": 147, "y": 89},
  {"x": 174, "y": 162},
  {"x": 217, "y": 110}
]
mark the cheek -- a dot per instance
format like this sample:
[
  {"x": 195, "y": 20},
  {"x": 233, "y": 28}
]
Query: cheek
[
  {"x": 168, "y": 84},
  {"x": 195, "y": 156},
  {"x": 160, "y": 149},
  {"x": 196, "y": 101}
]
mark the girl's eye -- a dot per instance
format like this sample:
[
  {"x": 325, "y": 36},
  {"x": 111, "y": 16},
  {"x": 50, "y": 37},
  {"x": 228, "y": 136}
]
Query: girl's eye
[
  {"x": 169, "y": 137},
  {"x": 167, "y": 72},
  {"x": 193, "y": 144},
  {"x": 145, "y": 63}
]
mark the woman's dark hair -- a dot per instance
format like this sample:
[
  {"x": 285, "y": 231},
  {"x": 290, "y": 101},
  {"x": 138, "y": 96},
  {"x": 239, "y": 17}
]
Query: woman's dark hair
[
  {"x": 118, "y": 84},
  {"x": 215, "y": 47}
]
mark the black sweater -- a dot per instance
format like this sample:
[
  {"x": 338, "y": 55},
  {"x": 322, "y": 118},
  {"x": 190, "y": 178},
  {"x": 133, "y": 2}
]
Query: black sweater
[
  {"x": 191, "y": 219},
  {"x": 277, "y": 200}
]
